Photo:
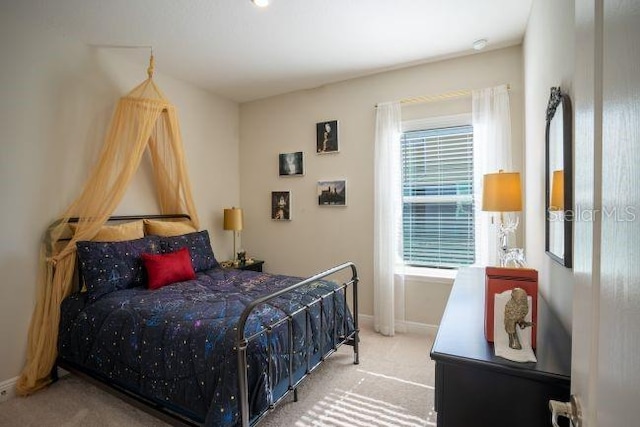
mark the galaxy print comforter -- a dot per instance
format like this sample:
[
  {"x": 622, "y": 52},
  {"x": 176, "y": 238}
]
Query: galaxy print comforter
[{"x": 175, "y": 345}]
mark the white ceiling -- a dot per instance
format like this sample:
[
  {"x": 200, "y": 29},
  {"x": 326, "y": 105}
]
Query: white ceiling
[{"x": 243, "y": 52}]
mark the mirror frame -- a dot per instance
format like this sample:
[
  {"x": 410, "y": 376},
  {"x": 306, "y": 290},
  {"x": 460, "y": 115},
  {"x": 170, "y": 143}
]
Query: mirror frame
[{"x": 556, "y": 98}]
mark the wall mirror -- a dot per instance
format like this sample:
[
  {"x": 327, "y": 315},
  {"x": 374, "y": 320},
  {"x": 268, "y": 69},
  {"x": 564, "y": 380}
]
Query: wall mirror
[{"x": 558, "y": 179}]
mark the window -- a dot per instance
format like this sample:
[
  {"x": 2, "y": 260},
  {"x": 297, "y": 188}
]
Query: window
[{"x": 437, "y": 195}]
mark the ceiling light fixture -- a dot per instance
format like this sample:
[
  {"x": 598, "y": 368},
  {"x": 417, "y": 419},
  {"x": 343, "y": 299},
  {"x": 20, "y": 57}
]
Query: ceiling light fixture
[
  {"x": 479, "y": 44},
  {"x": 261, "y": 3}
]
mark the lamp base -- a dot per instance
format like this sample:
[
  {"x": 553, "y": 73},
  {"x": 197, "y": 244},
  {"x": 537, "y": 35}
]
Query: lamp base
[
  {"x": 509, "y": 257},
  {"x": 234, "y": 246},
  {"x": 513, "y": 257}
]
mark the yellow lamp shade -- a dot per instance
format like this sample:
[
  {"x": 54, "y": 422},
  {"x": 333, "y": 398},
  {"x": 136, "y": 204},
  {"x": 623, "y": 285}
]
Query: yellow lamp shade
[
  {"x": 233, "y": 219},
  {"x": 557, "y": 191},
  {"x": 502, "y": 192}
]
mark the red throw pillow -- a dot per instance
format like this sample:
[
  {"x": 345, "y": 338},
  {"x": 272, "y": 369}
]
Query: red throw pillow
[{"x": 164, "y": 269}]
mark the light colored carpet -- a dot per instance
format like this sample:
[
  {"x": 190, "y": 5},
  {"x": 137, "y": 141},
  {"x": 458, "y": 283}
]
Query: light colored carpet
[{"x": 392, "y": 386}]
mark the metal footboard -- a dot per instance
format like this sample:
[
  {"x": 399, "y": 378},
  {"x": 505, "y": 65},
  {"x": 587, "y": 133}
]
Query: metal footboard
[{"x": 242, "y": 341}]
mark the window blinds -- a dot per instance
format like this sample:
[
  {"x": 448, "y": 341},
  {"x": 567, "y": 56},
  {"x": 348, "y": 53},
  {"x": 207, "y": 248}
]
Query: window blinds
[{"x": 437, "y": 177}]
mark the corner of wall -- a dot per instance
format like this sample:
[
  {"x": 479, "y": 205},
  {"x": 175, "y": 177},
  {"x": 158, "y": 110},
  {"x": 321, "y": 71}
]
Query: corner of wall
[{"x": 549, "y": 36}]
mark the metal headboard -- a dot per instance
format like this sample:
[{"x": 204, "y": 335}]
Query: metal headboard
[
  {"x": 137, "y": 217},
  {"x": 116, "y": 218}
]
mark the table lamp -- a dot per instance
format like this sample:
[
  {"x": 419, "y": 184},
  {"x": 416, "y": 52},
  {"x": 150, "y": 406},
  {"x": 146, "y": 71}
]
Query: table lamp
[
  {"x": 502, "y": 193},
  {"x": 557, "y": 191},
  {"x": 233, "y": 222}
]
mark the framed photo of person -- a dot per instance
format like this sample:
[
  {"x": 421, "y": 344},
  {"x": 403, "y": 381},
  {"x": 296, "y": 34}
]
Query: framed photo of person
[
  {"x": 327, "y": 137},
  {"x": 281, "y": 205},
  {"x": 332, "y": 193},
  {"x": 291, "y": 164}
]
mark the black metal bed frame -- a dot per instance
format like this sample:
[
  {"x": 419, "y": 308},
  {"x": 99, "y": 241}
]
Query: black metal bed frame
[{"x": 242, "y": 342}]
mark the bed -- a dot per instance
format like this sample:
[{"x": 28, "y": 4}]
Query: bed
[{"x": 219, "y": 349}]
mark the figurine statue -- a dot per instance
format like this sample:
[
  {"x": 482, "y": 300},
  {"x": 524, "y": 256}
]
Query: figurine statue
[
  {"x": 514, "y": 257},
  {"x": 514, "y": 313}
]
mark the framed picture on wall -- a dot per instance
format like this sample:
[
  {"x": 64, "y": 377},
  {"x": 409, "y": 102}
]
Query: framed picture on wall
[
  {"x": 281, "y": 205},
  {"x": 327, "y": 137},
  {"x": 332, "y": 193},
  {"x": 291, "y": 164}
]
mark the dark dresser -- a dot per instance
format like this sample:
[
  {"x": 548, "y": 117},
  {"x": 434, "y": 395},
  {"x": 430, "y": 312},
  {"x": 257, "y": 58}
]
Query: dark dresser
[{"x": 476, "y": 388}]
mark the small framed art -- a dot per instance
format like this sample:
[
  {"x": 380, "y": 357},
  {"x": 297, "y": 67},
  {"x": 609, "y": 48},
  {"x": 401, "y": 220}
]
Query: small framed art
[
  {"x": 281, "y": 205},
  {"x": 291, "y": 164},
  {"x": 327, "y": 137},
  {"x": 332, "y": 193}
]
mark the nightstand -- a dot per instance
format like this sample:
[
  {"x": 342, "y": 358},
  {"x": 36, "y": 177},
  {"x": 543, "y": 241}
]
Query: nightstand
[{"x": 256, "y": 265}]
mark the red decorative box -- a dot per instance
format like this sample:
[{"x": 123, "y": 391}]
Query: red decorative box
[{"x": 500, "y": 279}]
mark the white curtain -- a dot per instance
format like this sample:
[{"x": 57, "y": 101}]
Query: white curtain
[
  {"x": 388, "y": 282},
  {"x": 491, "y": 152}
]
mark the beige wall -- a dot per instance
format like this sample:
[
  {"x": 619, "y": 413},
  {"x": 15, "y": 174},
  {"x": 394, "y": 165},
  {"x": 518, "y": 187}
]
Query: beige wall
[
  {"x": 548, "y": 61},
  {"x": 319, "y": 237},
  {"x": 56, "y": 99}
]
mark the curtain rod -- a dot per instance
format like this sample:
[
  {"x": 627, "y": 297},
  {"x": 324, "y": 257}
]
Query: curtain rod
[{"x": 461, "y": 93}]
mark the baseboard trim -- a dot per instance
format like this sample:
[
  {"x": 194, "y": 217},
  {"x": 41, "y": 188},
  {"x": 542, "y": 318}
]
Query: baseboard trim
[
  {"x": 402, "y": 327},
  {"x": 416, "y": 328},
  {"x": 8, "y": 389},
  {"x": 365, "y": 320}
]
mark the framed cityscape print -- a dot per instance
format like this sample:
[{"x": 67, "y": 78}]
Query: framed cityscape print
[
  {"x": 332, "y": 193},
  {"x": 291, "y": 164},
  {"x": 281, "y": 205},
  {"x": 327, "y": 137}
]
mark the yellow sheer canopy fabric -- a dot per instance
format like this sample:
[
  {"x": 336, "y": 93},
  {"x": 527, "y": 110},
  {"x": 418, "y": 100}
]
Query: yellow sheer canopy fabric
[{"x": 143, "y": 120}]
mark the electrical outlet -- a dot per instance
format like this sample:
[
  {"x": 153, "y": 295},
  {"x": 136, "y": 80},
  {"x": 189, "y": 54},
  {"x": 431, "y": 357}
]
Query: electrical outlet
[{"x": 7, "y": 391}]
